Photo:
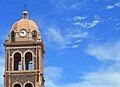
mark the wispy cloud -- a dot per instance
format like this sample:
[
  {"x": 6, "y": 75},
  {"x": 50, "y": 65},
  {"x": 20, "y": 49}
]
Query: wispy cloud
[
  {"x": 107, "y": 51},
  {"x": 54, "y": 35},
  {"x": 79, "y": 35},
  {"x": 67, "y": 5},
  {"x": 91, "y": 79},
  {"x": 104, "y": 77},
  {"x": 63, "y": 39},
  {"x": 53, "y": 76},
  {"x": 101, "y": 79},
  {"x": 81, "y": 21},
  {"x": 75, "y": 46},
  {"x": 79, "y": 18},
  {"x": 87, "y": 24},
  {"x": 78, "y": 41},
  {"x": 113, "y": 6}
]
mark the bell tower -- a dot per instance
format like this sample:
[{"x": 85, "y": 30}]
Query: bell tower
[{"x": 24, "y": 50}]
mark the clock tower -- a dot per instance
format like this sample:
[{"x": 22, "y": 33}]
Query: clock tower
[{"x": 24, "y": 52}]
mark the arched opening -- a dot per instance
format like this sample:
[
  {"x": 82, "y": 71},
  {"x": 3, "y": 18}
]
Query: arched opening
[
  {"x": 17, "y": 61},
  {"x": 28, "y": 61},
  {"x": 28, "y": 85},
  {"x": 12, "y": 36},
  {"x": 34, "y": 34},
  {"x": 17, "y": 85}
]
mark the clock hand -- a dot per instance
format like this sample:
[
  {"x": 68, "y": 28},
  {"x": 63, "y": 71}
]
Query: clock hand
[{"x": 22, "y": 32}]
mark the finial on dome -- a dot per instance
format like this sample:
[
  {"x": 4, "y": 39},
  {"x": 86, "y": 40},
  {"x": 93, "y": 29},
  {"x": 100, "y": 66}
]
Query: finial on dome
[{"x": 25, "y": 13}]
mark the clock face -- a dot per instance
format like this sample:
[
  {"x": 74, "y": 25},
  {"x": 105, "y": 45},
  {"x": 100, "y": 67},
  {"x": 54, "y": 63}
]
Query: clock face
[{"x": 22, "y": 32}]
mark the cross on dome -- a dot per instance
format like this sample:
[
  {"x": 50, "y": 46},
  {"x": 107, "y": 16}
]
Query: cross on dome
[{"x": 25, "y": 13}]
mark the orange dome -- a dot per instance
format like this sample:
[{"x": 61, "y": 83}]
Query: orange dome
[
  {"x": 24, "y": 30},
  {"x": 27, "y": 24}
]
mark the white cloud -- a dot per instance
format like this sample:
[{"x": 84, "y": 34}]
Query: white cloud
[
  {"x": 50, "y": 73},
  {"x": 104, "y": 77},
  {"x": 113, "y": 6},
  {"x": 110, "y": 7},
  {"x": 87, "y": 24},
  {"x": 75, "y": 6},
  {"x": 79, "y": 18},
  {"x": 54, "y": 35},
  {"x": 78, "y": 41},
  {"x": 108, "y": 51},
  {"x": 75, "y": 46},
  {"x": 90, "y": 79},
  {"x": 79, "y": 35},
  {"x": 97, "y": 17},
  {"x": 66, "y": 5},
  {"x": 110, "y": 76},
  {"x": 61, "y": 39}
]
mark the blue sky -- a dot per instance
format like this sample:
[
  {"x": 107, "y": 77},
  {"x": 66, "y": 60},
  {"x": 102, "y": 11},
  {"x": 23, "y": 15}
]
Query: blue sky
[{"x": 81, "y": 39}]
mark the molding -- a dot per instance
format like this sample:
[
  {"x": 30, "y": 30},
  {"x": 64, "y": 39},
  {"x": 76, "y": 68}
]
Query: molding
[
  {"x": 30, "y": 52},
  {"x": 17, "y": 83},
  {"x": 16, "y": 52},
  {"x": 27, "y": 83}
]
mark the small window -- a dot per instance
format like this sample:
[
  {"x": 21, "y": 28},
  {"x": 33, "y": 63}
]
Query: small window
[
  {"x": 28, "y": 61},
  {"x": 17, "y": 85},
  {"x": 12, "y": 36},
  {"x": 34, "y": 34},
  {"x": 28, "y": 85},
  {"x": 17, "y": 62}
]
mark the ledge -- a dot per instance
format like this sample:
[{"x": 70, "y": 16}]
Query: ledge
[{"x": 22, "y": 43}]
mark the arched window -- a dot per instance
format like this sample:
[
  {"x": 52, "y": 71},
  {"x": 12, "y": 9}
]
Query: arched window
[
  {"x": 17, "y": 61},
  {"x": 17, "y": 85},
  {"x": 12, "y": 36},
  {"x": 34, "y": 34},
  {"x": 28, "y": 85},
  {"x": 28, "y": 61}
]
